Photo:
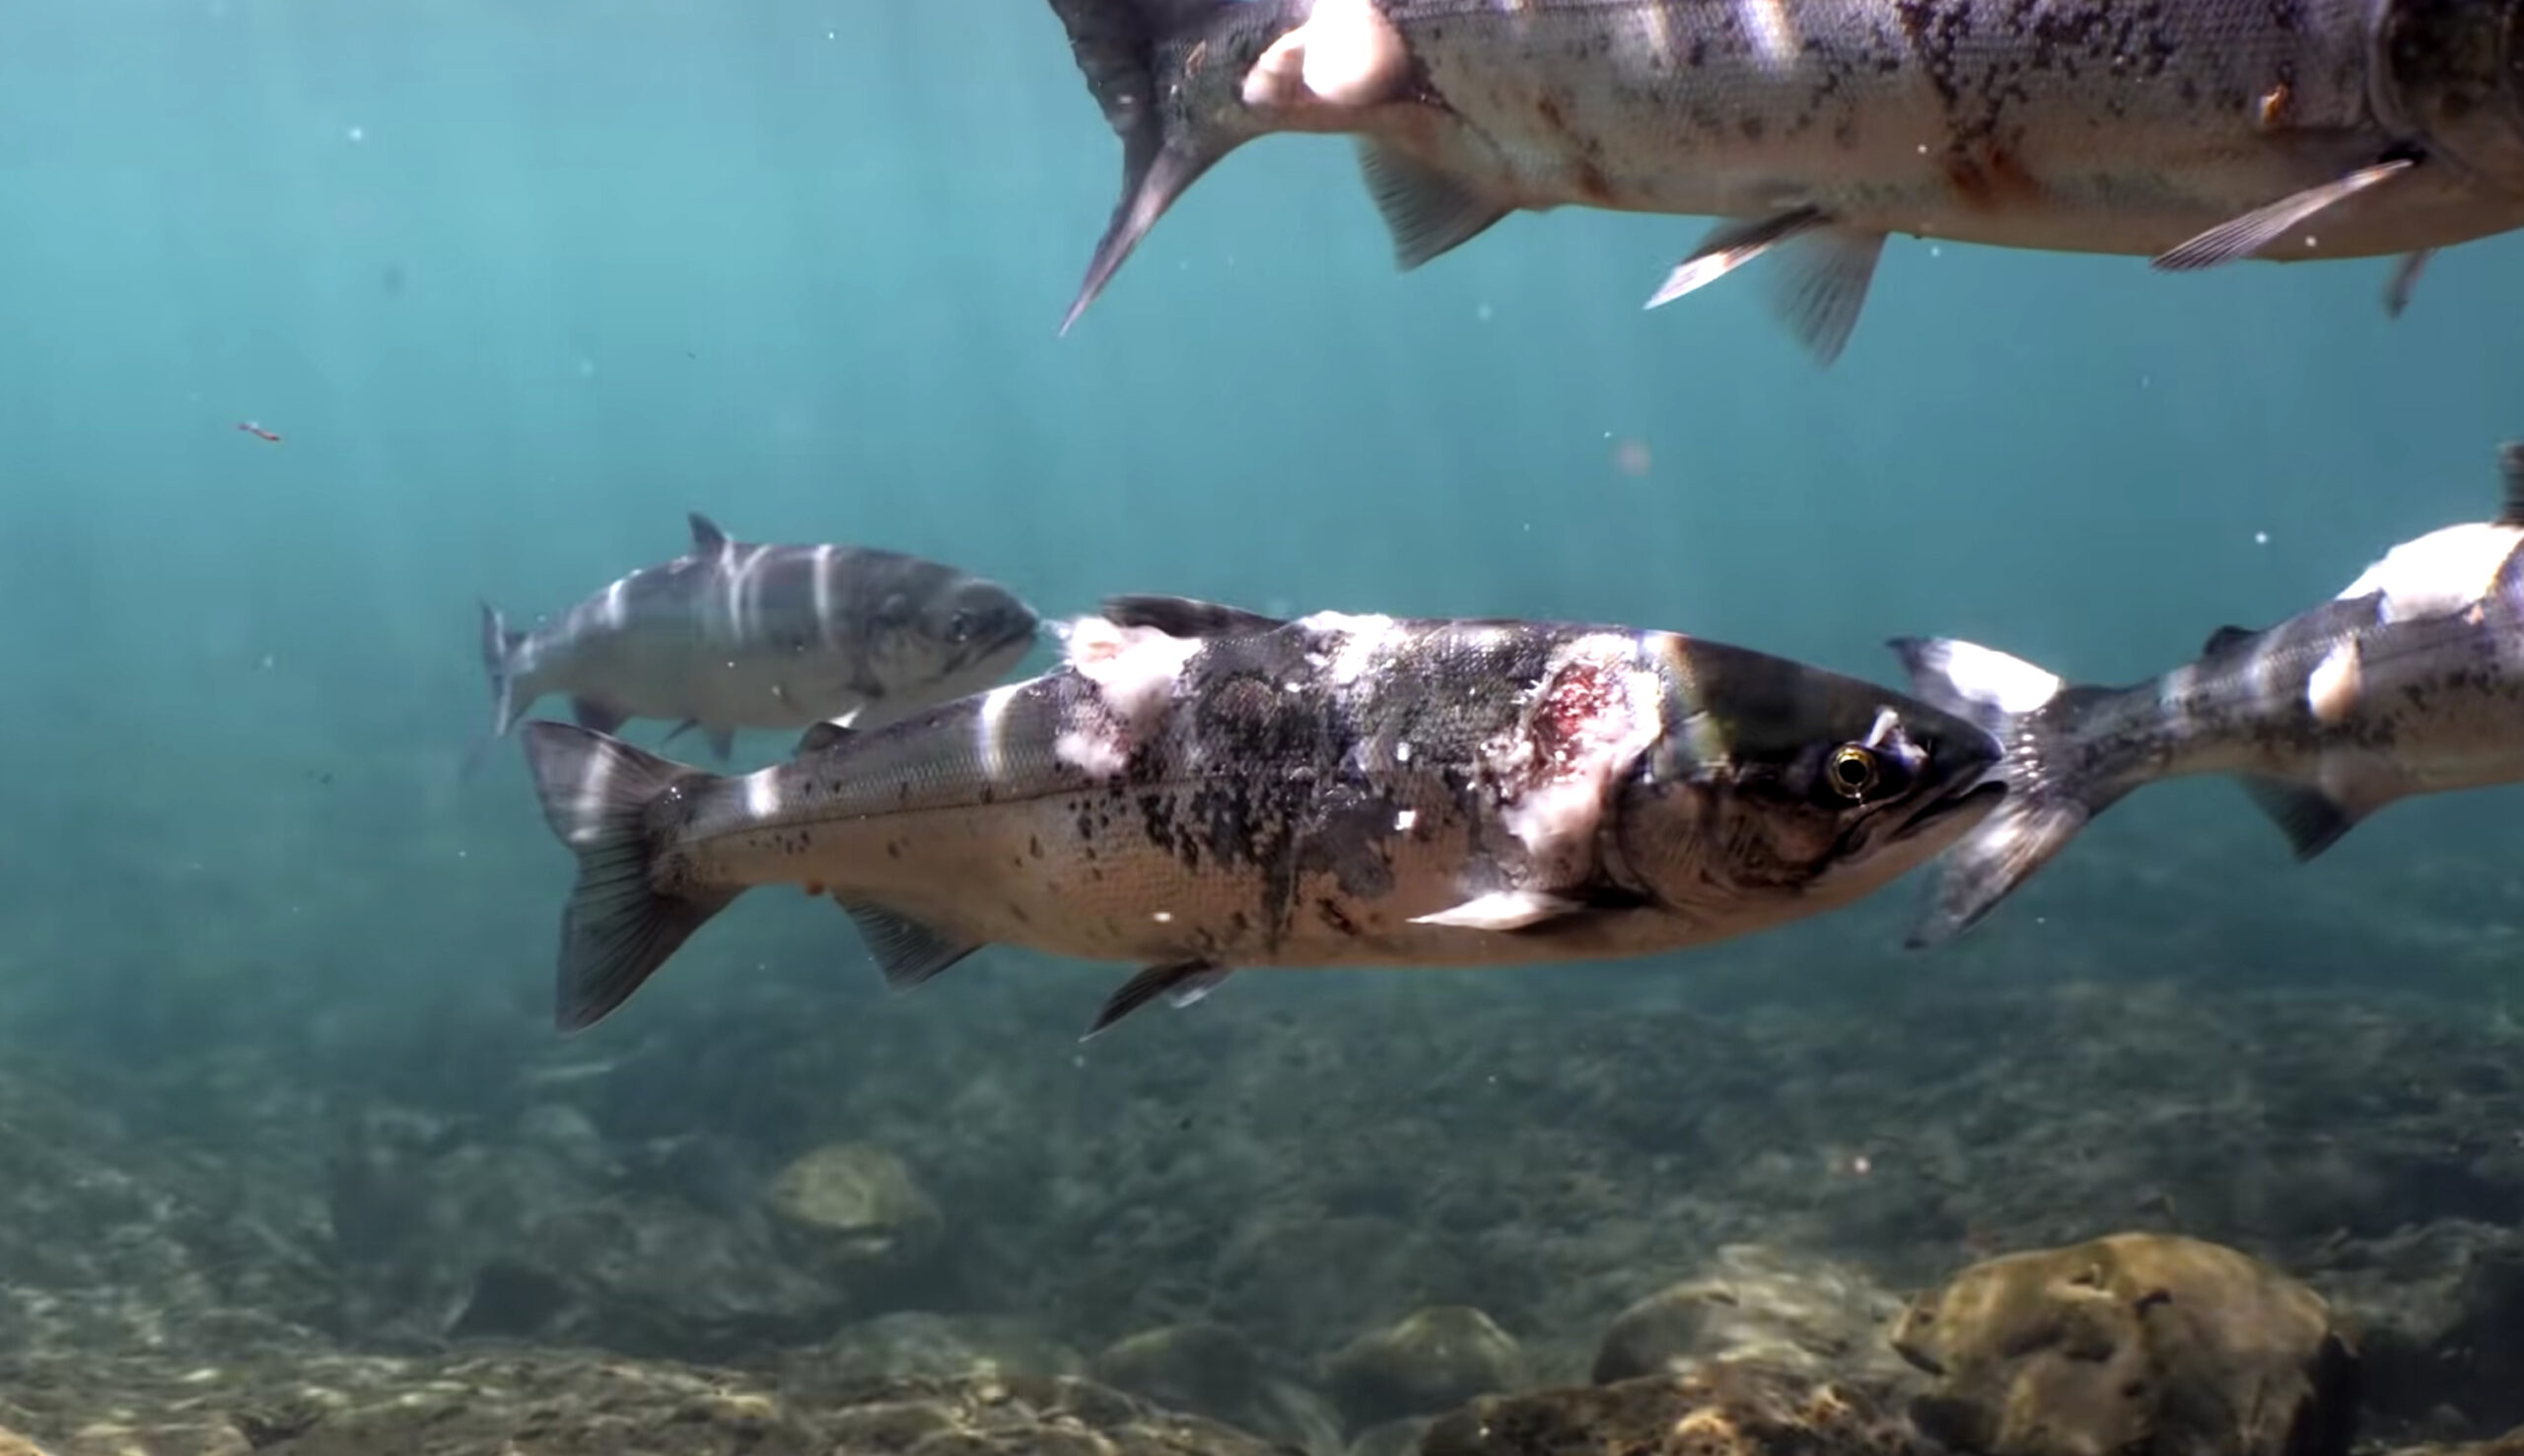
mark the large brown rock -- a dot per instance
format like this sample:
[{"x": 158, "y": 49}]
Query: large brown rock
[{"x": 2144, "y": 1345}]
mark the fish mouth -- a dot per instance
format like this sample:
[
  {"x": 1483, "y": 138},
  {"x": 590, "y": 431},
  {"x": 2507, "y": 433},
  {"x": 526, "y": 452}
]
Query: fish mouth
[
  {"x": 1020, "y": 637},
  {"x": 1969, "y": 803}
]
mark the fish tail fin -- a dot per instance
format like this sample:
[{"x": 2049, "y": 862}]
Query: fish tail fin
[
  {"x": 1134, "y": 54},
  {"x": 2036, "y": 717},
  {"x": 499, "y": 663},
  {"x": 622, "y": 924}
]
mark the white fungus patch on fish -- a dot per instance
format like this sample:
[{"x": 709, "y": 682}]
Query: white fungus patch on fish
[
  {"x": 1135, "y": 670},
  {"x": 2439, "y": 573},
  {"x": 1347, "y": 54},
  {"x": 1594, "y": 712},
  {"x": 1345, "y": 649}
]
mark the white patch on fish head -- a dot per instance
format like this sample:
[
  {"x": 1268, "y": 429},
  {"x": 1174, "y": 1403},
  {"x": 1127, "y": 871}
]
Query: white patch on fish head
[
  {"x": 1595, "y": 709},
  {"x": 2439, "y": 573},
  {"x": 617, "y": 604},
  {"x": 1345, "y": 648},
  {"x": 2333, "y": 689},
  {"x": 1348, "y": 53}
]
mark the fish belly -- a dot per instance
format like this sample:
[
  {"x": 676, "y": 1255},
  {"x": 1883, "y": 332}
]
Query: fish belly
[
  {"x": 2093, "y": 127},
  {"x": 1107, "y": 875}
]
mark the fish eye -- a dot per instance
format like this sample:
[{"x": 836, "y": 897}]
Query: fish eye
[
  {"x": 959, "y": 627},
  {"x": 1854, "y": 770}
]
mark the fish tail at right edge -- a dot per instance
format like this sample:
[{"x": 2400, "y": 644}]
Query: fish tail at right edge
[
  {"x": 1133, "y": 53},
  {"x": 2036, "y": 717},
  {"x": 598, "y": 794}
]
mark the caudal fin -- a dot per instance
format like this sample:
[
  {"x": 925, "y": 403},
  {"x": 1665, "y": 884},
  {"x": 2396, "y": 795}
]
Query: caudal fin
[
  {"x": 2034, "y": 715},
  {"x": 1133, "y": 53},
  {"x": 598, "y": 795},
  {"x": 499, "y": 663}
]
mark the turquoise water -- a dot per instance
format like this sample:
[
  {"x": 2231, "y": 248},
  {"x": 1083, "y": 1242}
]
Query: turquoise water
[{"x": 520, "y": 285}]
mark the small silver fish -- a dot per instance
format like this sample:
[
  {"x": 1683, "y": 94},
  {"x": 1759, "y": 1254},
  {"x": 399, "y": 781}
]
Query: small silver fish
[
  {"x": 735, "y": 635},
  {"x": 2409, "y": 681},
  {"x": 2195, "y": 133},
  {"x": 1197, "y": 789}
]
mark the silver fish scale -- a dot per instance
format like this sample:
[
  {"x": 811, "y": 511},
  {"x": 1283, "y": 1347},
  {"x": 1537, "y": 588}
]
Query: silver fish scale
[{"x": 2077, "y": 126}]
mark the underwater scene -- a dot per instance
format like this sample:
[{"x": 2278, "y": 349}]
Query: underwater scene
[{"x": 1204, "y": 728}]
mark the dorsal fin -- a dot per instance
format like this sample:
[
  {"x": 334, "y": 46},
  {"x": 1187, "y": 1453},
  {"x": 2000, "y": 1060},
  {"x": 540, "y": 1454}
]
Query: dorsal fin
[
  {"x": 1184, "y": 616},
  {"x": 706, "y": 535},
  {"x": 2510, "y": 466},
  {"x": 2226, "y": 639}
]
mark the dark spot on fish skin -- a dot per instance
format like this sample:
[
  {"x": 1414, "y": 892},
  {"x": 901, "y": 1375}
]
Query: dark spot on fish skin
[
  {"x": 1988, "y": 177},
  {"x": 1035, "y": 845},
  {"x": 1332, "y": 916},
  {"x": 893, "y": 849},
  {"x": 1016, "y": 913},
  {"x": 1590, "y": 182}
]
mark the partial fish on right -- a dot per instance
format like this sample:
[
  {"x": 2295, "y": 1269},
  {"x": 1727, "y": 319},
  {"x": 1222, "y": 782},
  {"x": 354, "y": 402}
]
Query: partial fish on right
[
  {"x": 2409, "y": 682},
  {"x": 2195, "y": 133},
  {"x": 738, "y": 635}
]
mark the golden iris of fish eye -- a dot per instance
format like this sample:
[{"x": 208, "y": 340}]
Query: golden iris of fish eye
[{"x": 1853, "y": 771}]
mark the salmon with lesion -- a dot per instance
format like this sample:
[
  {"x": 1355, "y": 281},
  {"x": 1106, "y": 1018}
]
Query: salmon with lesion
[
  {"x": 2196, "y": 134},
  {"x": 1198, "y": 789}
]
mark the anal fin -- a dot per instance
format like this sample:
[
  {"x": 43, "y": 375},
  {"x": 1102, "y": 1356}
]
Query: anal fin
[
  {"x": 1503, "y": 910},
  {"x": 1821, "y": 288},
  {"x": 1427, "y": 212},
  {"x": 1180, "y": 982},
  {"x": 907, "y": 951},
  {"x": 2243, "y": 237},
  {"x": 1818, "y": 287},
  {"x": 2312, "y": 820}
]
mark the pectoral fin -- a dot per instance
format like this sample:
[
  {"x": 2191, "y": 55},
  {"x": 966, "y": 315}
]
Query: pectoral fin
[
  {"x": 1731, "y": 246},
  {"x": 907, "y": 951},
  {"x": 2243, "y": 237},
  {"x": 1824, "y": 272},
  {"x": 1181, "y": 983},
  {"x": 2405, "y": 280},
  {"x": 1503, "y": 910}
]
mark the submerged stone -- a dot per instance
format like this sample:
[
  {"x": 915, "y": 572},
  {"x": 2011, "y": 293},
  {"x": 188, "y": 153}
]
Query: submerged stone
[{"x": 2147, "y": 1344}]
